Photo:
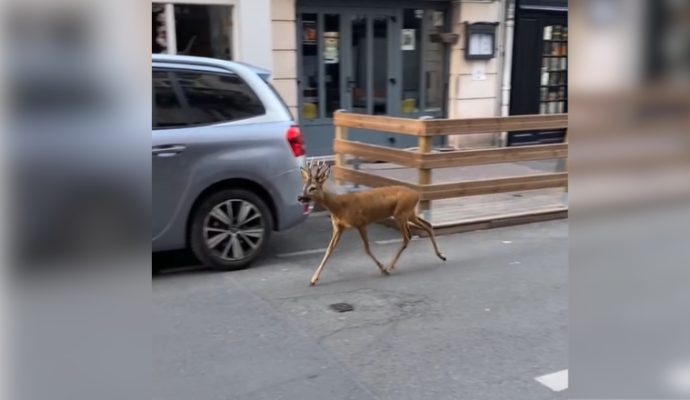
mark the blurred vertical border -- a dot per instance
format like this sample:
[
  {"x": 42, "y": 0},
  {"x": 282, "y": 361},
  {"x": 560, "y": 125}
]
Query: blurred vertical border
[
  {"x": 76, "y": 171},
  {"x": 629, "y": 131}
]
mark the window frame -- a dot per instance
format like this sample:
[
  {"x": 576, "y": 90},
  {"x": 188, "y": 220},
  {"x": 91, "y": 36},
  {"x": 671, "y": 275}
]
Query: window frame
[{"x": 170, "y": 26}]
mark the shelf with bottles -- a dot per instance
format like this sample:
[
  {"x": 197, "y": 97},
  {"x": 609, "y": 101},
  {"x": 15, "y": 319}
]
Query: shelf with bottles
[
  {"x": 553, "y": 100},
  {"x": 555, "y": 49},
  {"x": 553, "y": 78},
  {"x": 554, "y": 63},
  {"x": 555, "y": 33},
  {"x": 555, "y": 41},
  {"x": 553, "y": 107}
]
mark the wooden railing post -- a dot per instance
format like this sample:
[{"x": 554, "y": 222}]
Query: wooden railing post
[
  {"x": 424, "y": 145},
  {"x": 340, "y": 134}
]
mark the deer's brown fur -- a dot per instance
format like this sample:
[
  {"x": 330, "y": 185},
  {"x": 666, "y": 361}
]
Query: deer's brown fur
[{"x": 359, "y": 209}]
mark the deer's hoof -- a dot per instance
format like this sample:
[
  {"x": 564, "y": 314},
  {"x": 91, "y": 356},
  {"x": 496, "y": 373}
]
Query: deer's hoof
[
  {"x": 442, "y": 257},
  {"x": 312, "y": 283},
  {"x": 384, "y": 272}
]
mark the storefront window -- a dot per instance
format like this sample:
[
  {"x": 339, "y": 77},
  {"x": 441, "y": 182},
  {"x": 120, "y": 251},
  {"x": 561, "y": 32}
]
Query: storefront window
[
  {"x": 358, "y": 81},
  {"x": 553, "y": 88},
  {"x": 159, "y": 34},
  {"x": 380, "y": 64},
  {"x": 331, "y": 60},
  {"x": 203, "y": 30},
  {"x": 196, "y": 29},
  {"x": 310, "y": 67},
  {"x": 411, "y": 60},
  {"x": 433, "y": 62}
]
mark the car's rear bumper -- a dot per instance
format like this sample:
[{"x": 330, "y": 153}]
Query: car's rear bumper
[{"x": 288, "y": 186}]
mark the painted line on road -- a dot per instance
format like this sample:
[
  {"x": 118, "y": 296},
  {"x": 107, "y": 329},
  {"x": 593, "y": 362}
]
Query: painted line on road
[
  {"x": 300, "y": 253},
  {"x": 557, "y": 381},
  {"x": 398, "y": 240}
]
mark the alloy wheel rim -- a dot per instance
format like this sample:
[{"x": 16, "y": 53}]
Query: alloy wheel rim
[{"x": 234, "y": 229}]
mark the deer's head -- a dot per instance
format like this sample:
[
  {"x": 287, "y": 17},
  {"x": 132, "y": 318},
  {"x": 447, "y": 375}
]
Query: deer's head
[{"x": 314, "y": 176}]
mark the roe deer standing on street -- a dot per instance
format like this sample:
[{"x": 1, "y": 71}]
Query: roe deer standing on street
[{"x": 359, "y": 209}]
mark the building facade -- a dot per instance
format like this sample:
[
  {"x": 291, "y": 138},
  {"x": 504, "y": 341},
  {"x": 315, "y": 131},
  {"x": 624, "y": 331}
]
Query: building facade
[{"x": 403, "y": 58}]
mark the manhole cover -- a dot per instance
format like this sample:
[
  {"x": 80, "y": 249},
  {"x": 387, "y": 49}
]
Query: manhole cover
[{"x": 341, "y": 307}]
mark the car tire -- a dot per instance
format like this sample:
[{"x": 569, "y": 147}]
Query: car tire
[{"x": 230, "y": 239}]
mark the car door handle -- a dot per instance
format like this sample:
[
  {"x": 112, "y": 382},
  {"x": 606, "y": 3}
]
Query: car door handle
[{"x": 167, "y": 150}]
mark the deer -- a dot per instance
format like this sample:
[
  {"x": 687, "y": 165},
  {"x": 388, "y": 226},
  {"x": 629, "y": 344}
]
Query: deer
[{"x": 359, "y": 209}]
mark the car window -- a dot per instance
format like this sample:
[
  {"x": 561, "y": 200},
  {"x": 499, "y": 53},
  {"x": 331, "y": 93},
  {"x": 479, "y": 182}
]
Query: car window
[
  {"x": 167, "y": 110},
  {"x": 186, "y": 98},
  {"x": 282, "y": 101}
]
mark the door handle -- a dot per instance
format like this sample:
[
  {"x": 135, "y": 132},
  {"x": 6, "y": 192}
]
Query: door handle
[
  {"x": 393, "y": 81},
  {"x": 167, "y": 150}
]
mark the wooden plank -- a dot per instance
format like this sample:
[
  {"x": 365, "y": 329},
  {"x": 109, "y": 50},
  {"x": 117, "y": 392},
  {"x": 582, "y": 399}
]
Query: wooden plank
[
  {"x": 340, "y": 134},
  {"x": 498, "y": 222},
  {"x": 404, "y": 126},
  {"x": 494, "y": 124},
  {"x": 488, "y": 223},
  {"x": 367, "y": 179},
  {"x": 490, "y": 186},
  {"x": 424, "y": 174},
  {"x": 375, "y": 153},
  {"x": 493, "y": 156}
]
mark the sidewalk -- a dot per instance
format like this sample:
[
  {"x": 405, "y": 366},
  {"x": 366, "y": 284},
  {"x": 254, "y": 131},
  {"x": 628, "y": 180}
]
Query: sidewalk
[{"x": 484, "y": 207}]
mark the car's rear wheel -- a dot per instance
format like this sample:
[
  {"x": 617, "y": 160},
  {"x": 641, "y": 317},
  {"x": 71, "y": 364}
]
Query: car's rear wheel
[{"x": 230, "y": 228}]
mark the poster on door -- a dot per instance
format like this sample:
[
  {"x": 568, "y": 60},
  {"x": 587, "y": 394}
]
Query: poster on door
[
  {"x": 408, "y": 39},
  {"x": 330, "y": 48},
  {"x": 309, "y": 32}
]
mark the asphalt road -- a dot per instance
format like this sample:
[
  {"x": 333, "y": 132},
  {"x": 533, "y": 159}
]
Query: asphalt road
[{"x": 482, "y": 325}]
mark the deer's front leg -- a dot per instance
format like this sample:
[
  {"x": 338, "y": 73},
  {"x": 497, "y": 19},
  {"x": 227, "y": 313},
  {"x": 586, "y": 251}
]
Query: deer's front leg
[{"x": 334, "y": 241}]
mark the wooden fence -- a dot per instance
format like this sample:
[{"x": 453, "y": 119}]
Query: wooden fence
[{"x": 425, "y": 161}]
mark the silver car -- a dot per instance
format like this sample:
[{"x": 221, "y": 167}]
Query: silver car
[{"x": 226, "y": 155}]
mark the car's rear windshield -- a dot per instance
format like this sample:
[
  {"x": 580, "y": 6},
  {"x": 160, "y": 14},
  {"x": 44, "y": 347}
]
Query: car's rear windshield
[{"x": 266, "y": 79}]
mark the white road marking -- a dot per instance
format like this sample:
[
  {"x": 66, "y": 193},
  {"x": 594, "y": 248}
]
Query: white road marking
[
  {"x": 398, "y": 240},
  {"x": 507, "y": 242},
  {"x": 300, "y": 253},
  {"x": 678, "y": 378},
  {"x": 557, "y": 381}
]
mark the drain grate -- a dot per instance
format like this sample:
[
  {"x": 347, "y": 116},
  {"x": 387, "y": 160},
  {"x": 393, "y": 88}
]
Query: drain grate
[{"x": 341, "y": 307}]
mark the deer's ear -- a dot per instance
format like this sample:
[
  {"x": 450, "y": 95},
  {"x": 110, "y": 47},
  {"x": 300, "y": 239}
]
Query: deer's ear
[{"x": 305, "y": 173}]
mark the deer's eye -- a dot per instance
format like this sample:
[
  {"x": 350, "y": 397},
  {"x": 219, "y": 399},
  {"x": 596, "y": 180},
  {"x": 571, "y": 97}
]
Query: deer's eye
[{"x": 311, "y": 189}]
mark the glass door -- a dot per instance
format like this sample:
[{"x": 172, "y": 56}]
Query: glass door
[
  {"x": 371, "y": 79},
  {"x": 376, "y": 61}
]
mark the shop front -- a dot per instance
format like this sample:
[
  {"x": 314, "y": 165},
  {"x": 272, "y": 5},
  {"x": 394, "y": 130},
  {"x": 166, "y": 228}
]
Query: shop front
[
  {"x": 540, "y": 68},
  {"x": 371, "y": 57}
]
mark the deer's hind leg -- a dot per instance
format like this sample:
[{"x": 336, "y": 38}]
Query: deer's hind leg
[
  {"x": 365, "y": 241},
  {"x": 405, "y": 230},
  {"x": 414, "y": 220}
]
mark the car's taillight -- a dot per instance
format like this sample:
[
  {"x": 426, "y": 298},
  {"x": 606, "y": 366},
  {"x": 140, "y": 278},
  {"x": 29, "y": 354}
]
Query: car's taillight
[{"x": 296, "y": 141}]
